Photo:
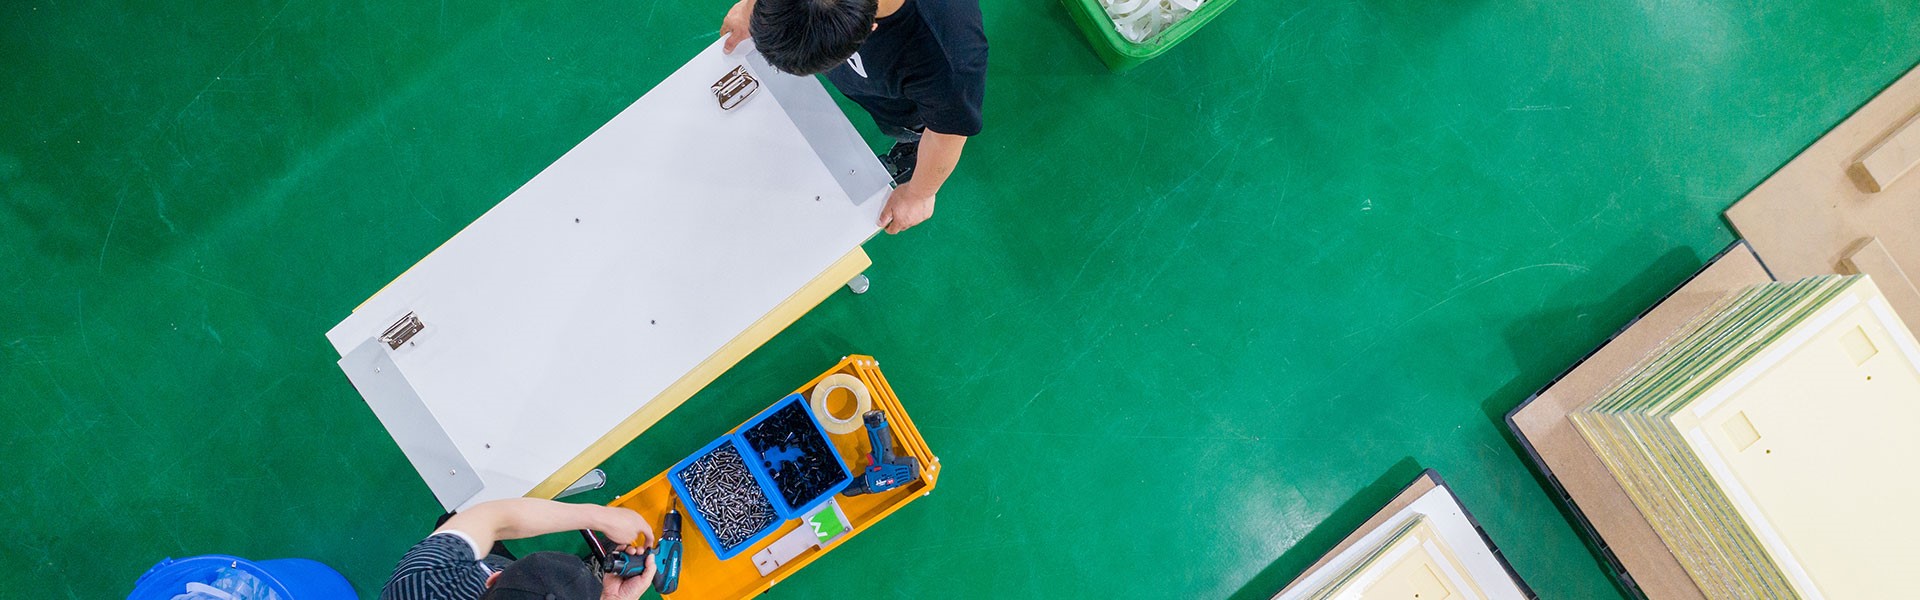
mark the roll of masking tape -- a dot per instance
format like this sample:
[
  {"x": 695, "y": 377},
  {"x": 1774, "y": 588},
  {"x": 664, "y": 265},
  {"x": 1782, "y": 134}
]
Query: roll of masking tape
[{"x": 840, "y": 381}]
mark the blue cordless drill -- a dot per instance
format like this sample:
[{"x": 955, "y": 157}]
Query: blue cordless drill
[
  {"x": 626, "y": 564},
  {"x": 667, "y": 552},
  {"x": 885, "y": 470},
  {"x": 633, "y": 562}
]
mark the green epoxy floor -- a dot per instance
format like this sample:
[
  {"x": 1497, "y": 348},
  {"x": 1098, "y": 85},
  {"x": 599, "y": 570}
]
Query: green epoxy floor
[{"x": 1173, "y": 332}]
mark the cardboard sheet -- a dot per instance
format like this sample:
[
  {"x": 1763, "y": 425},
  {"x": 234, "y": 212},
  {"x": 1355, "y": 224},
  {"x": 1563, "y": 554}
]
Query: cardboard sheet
[
  {"x": 1872, "y": 259},
  {"x": 1810, "y": 215},
  {"x": 1894, "y": 157}
]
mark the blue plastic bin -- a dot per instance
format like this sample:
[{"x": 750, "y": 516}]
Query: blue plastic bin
[
  {"x": 773, "y": 490},
  {"x": 291, "y": 578},
  {"x": 756, "y": 464},
  {"x": 700, "y": 518}
]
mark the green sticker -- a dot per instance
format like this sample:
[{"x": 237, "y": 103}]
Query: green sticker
[{"x": 826, "y": 524}]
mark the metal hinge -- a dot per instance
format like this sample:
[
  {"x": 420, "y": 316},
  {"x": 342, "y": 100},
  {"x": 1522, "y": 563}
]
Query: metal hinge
[
  {"x": 735, "y": 88},
  {"x": 402, "y": 330}
]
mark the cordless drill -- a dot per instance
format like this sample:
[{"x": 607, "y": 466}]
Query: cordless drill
[
  {"x": 633, "y": 562},
  {"x": 885, "y": 470},
  {"x": 666, "y": 578},
  {"x": 627, "y": 564}
]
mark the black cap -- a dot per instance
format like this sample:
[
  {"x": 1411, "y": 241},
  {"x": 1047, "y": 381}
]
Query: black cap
[{"x": 546, "y": 576}]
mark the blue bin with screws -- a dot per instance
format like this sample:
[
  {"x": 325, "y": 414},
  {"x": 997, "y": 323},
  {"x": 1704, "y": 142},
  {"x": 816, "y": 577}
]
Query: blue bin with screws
[
  {"x": 725, "y": 492},
  {"x": 796, "y": 454},
  {"x": 776, "y": 467}
]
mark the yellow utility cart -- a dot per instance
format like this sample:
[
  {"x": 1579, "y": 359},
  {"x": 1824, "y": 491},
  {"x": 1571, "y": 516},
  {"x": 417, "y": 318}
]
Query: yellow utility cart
[{"x": 704, "y": 576}]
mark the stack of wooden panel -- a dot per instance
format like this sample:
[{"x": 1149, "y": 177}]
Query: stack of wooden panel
[
  {"x": 1413, "y": 563},
  {"x": 1768, "y": 442},
  {"x": 1423, "y": 545}
]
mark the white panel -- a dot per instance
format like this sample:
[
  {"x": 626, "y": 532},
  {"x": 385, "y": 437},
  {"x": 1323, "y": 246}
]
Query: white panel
[{"x": 623, "y": 265}]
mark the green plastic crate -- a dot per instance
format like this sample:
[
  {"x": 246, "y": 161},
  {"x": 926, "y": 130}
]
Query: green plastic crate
[{"x": 1120, "y": 53}]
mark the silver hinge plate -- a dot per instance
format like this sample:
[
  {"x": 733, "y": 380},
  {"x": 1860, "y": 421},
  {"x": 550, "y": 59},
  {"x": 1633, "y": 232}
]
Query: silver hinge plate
[
  {"x": 735, "y": 88},
  {"x": 402, "y": 330}
]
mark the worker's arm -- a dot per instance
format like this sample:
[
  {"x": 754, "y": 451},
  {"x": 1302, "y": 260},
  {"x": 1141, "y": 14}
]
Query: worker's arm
[
  {"x": 912, "y": 202},
  {"x": 736, "y": 27},
  {"x": 516, "y": 518}
]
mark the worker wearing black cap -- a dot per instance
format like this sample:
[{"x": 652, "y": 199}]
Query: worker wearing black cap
[{"x": 455, "y": 563}]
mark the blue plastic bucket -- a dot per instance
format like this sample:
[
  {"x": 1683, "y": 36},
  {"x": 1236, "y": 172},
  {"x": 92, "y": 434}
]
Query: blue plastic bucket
[{"x": 290, "y": 578}]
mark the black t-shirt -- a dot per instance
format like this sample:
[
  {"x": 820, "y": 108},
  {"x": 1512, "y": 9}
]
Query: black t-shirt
[{"x": 925, "y": 66}]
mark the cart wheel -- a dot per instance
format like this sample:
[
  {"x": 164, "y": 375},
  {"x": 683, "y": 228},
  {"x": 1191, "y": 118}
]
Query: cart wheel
[{"x": 859, "y": 284}]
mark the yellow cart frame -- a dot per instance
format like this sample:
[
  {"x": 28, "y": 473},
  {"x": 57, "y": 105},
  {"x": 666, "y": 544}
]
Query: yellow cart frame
[{"x": 704, "y": 576}]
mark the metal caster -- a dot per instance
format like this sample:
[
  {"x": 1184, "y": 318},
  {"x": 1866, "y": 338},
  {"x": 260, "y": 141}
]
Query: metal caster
[{"x": 859, "y": 284}]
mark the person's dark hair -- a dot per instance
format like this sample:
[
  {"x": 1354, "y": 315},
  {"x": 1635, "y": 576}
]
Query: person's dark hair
[{"x": 806, "y": 37}]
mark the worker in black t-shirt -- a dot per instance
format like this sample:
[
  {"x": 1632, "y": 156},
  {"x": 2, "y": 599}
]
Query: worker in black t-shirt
[{"x": 918, "y": 66}]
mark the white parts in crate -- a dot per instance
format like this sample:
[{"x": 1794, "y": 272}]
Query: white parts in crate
[
  {"x": 1140, "y": 20},
  {"x": 840, "y": 381}
]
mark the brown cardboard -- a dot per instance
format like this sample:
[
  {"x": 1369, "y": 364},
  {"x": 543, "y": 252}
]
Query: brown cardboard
[
  {"x": 1807, "y": 217},
  {"x": 1892, "y": 159},
  {"x": 1542, "y": 425},
  {"x": 1870, "y": 258}
]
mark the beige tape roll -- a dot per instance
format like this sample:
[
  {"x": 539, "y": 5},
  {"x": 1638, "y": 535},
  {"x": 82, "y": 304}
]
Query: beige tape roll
[{"x": 840, "y": 381}]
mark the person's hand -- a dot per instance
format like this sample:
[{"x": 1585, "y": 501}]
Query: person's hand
[
  {"x": 906, "y": 207},
  {"x": 613, "y": 587},
  {"x": 737, "y": 26},
  {"x": 623, "y": 526}
]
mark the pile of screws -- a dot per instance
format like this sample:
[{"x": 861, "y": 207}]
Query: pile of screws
[
  {"x": 724, "y": 492},
  {"x": 804, "y": 465}
]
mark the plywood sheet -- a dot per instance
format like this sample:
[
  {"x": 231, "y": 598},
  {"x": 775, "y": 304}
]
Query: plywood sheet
[
  {"x": 1541, "y": 424},
  {"x": 619, "y": 270},
  {"x": 1807, "y": 217}
]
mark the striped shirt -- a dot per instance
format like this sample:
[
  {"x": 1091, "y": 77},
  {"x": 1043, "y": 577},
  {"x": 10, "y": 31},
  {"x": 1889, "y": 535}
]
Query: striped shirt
[{"x": 445, "y": 566}]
